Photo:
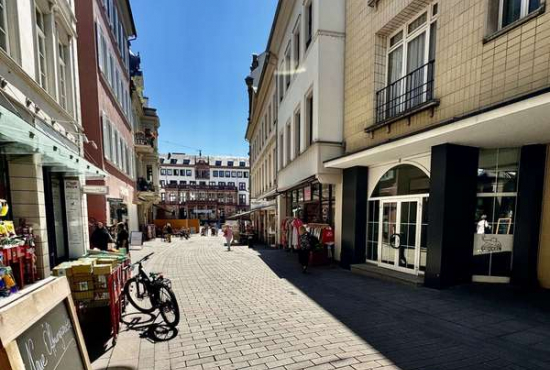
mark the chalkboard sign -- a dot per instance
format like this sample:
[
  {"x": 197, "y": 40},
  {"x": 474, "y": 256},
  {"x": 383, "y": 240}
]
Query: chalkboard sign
[
  {"x": 136, "y": 238},
  {"x": 51, "y": 343}
]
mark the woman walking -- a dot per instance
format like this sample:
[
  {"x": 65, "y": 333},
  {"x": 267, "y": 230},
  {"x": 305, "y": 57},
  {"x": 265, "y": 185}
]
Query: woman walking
[
  {"x": 305, "y": 248},
  {"x": 228, "y": 235}
]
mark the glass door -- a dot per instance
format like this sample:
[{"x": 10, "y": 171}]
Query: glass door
[{"x": 400, "y": 234}]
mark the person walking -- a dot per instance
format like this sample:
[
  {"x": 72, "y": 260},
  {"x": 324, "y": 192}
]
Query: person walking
[
  {"x": 228, "y": 235},
  {"x": 101, "y": 238},
  {"x": 304, "y": 248},
  {"x": 168, "y": 231},
  {"x": 122, "y": 236}
]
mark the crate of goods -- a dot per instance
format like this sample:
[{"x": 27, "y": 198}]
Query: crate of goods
[
  {"x": 81, "y": 282},
  {"x": 83, "y": 268},
  {"x": 63, "y": 269},
  {"x": 101, "y": 276}
]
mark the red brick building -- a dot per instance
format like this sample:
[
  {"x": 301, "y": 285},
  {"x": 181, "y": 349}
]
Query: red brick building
[{"x": 105, "y": 28}]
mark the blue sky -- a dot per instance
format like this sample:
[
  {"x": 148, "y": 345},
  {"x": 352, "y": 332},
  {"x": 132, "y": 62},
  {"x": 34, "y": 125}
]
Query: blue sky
[{"x": 195, "y": 55}]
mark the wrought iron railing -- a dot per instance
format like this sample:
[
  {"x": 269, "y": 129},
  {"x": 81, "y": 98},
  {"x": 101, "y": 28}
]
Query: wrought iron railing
[
  {"x": 141, "y": 139},
  {"x": 405, "y": 94}
]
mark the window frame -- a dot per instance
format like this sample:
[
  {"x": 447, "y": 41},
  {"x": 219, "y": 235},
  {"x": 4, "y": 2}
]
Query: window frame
[
  {"x": 6, "y": 29},
  {"x": 524, "y": 12},
  {"x": 41, "y": 48}
]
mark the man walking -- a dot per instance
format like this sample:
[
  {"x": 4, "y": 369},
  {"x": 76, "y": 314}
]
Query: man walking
[{"x": 101, "y": 238}]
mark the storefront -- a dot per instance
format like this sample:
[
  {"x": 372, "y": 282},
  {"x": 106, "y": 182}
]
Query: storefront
[
  {"x": 312, "y": 205},
  {"x": 454, "y": 215}
]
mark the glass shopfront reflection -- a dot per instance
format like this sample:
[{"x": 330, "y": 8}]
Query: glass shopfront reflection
[{"x": 498, "y": 173}]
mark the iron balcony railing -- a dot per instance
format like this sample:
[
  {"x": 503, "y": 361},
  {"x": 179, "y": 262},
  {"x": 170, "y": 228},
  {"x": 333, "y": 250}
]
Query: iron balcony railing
[
  {"x": 404, "y": 95},
  {"x": 142, "y": 139}
]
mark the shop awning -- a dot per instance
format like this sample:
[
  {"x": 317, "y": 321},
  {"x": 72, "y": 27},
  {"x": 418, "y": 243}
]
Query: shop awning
[
  {"x": 240, "y": 216},
  {"x": 17, "y": 136}
]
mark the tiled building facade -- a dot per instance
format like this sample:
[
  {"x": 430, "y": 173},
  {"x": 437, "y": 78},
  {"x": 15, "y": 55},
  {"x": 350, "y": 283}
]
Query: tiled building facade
[{"x": 446, "y": 131}]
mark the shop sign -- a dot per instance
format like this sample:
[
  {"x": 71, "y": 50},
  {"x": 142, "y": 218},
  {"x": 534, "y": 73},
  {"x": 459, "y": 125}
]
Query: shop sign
[
  {"x": 42, "y": 331},
  {"x": 307, "y": 193},
  {"x": 95, "y": 189},
  {"x": 115, "y": 200},
  {"x": 51, "y": 343},
  {"x": 73, "y": 209},
  {"x": 203, "y": 211},
  {"x": 492, "y": 243}
]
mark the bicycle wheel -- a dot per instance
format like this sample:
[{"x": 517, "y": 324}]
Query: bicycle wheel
[
  {"x": 168, "y": 306},
  {"x": 138, "y": 295}
]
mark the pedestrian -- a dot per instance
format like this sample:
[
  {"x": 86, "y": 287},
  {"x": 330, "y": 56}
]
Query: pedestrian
[
  {"x": 122, "y": 236},
  {"x": 168, "y": 232},
  {"x": 228, "y": 235},
  {"x": 304, "y": 248},
  {"x": 101, "y": 238}
]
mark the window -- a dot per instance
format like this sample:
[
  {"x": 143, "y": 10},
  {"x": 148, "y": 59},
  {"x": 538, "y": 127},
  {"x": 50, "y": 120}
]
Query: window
[
  {"x": 215, "y": 174},
  {"x": 169, "y": 172},
  {"x": 41, "y": 49},
  {"x": 163, "y": 172},
  {"x": 242, "y": 164},
  {"x": 202, "y": 183},
  {"x": 4, "y": 36},
  {"x": 297, "y": 129},
  {"x": 232, "y": 184},
  {"x": 288, "y": 68},
  {"x": 242, "y": 186},
  {"x": 281, "y": 150},
  {"x": 227, "y": 174},
  {"x": 495, "y": 217},
  {"x": 212, "y": 183},
  {"x": 192, "y": 183},
  {"x": 245, "y": 174},
  {"x": 281, "y": 81},
  {"x": 230, "y": 164},
  {"x": 513, "y": 10},
  {"x": 106, "y": 137},
  {"x": 162, "y": 195},
  {"x": 287, "y": 143},
  {"x": 233, "y": 173},
  {"x": 309, "y": 118},
  {"x": 242, "y": 199},
  {"x": 183, "y": 182},
  {"x": 186, "y": 161},
  {"x": 221, "y": 183},
  {"x": 309, "y": 23},
  {"x": 296, "y": 44},
  {"x": 218, "y": 163},
  {"x": 173, "y": 161},
  {"x": 188, "y": 173},
  {"x": 221, "y": 173},
  {"x": 240, "y": 174},
  {"x": 409, "y": 78},
  {"x": 173, "y": 182}
]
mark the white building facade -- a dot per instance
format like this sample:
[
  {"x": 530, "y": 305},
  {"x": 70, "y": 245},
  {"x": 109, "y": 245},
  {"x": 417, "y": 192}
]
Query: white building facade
[{"x": 307, "y": 45}]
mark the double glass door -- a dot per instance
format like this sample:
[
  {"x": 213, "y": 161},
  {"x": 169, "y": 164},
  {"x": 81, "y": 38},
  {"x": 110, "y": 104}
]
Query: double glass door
[{"x": 401, "y": 237}]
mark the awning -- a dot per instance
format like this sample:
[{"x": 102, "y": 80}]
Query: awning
[
  {"x": 240, "y": 216},
  {"x": 519, "y": 123},
  {"x": 19, "y": 137}
]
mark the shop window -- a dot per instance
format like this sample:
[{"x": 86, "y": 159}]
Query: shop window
[
  {"x": 498, "y": 173},
  {"x": 373, "y": 222},
  {"x": 402, "y": 180}
]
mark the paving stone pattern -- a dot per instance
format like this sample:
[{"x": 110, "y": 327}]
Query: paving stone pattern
[{"x": 253, "y": 309}]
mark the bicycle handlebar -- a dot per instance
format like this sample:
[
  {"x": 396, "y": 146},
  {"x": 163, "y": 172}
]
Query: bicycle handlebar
[{"x": 143, "y": 259}]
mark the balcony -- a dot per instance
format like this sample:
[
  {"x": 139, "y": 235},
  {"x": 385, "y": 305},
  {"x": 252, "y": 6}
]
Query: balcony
[
  {"x": 144, "y": 143},
  {"x": 406, "y": 96},
  {"x": 146, "y": 188}
]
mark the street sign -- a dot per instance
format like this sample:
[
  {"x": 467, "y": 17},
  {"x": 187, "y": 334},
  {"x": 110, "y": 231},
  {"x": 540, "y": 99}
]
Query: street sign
[{"x": 95, "y": 189}]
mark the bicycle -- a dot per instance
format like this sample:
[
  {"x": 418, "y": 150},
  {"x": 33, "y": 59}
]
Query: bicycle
[{"x": 148, "y": 293}]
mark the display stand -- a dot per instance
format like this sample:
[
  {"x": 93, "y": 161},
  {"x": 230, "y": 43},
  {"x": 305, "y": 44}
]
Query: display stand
[{"x": 33, "y": 323}]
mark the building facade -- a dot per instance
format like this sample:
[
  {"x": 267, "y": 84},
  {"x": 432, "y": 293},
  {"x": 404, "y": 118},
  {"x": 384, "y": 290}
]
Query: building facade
[
  {"x": 298, "y": 91},
  {"x": 105, "y": 28},
  {"x": 42, "y": 162},
  {"x": 208, "y": 188},
  {"x": 446, "y": 131},
  {"x": 261, "y": 133},
  {"x": 146, "y": 123}
]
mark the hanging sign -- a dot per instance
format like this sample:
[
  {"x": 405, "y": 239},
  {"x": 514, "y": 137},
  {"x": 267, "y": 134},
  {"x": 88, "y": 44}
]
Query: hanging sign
[{"x": 73, "y": 209}]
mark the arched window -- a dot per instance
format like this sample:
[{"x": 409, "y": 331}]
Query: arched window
[{"x": 404, "y": 179}]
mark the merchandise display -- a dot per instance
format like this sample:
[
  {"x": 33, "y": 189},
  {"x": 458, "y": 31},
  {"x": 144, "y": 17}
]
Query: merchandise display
[
  {"x": 96, "y": 280},
  {"x": 17, "y": 254}
]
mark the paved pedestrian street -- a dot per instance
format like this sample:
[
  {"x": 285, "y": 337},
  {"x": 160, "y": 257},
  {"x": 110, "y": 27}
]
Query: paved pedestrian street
[{"x": 254, "y": 309}]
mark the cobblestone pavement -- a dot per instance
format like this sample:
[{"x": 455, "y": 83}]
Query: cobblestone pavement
[{"x": 253, "y": 309}]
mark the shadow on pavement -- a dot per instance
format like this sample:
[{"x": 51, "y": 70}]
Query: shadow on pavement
[
  {"x": 471, "y": 326},
  {"x": 149, "y": 326}
]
